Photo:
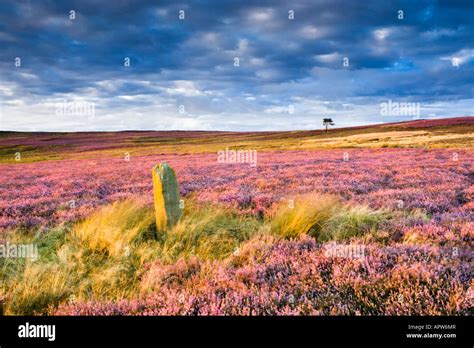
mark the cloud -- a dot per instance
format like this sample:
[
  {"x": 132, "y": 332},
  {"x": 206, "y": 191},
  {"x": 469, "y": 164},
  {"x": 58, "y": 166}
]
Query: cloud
[
  {"x": 190, "y": 62},
  {"x": 185, "y": 88}
]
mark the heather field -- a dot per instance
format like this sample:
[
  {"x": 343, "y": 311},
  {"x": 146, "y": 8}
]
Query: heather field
[{"x": 374, "y": 220}]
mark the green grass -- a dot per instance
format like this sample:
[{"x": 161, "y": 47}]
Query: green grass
[
  {"x": 30, "y": 154},
  {"x": 209, "y": 233},
  {"x": 325, "y": 218},
  {"x": 352, "y": 222},
  {"x": 104, "y": 257}
]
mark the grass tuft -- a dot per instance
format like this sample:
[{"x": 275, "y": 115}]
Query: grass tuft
[
  {"x": 107, "y": 255},
  {"x": 104, "y": 257},
  {"x": 352, "y": 222},
  {"x": 37, "y": 287},
  {"x": 307, "y": 215},
  {"x": 325, "y": 218},
  {"x": 114, "y": 228},
  {"x": 207, "y": 232}
]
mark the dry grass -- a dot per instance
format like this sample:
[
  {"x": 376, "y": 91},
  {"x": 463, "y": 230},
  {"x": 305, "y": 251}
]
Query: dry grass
[
  {"x": 113, "y": 228},
  {"x": 325, "y": 218},
  {"x": 447, "y": 136},
  {"x": 308, "y": 215},
  {"x": 401, "y": 138},
  {"x": 105, "y": 256},
  {"x": 37, "y": 287}
]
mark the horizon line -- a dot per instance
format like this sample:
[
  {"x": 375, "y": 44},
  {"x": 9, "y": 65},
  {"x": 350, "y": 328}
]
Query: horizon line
[{"x": 254, "y": 131}]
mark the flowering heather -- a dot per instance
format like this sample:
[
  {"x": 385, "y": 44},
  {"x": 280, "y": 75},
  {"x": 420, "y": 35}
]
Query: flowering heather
[
  {"x": 295, "y": 278},
  {"x": 252, "y": 240},
  {"x": 437, "y": 182}
]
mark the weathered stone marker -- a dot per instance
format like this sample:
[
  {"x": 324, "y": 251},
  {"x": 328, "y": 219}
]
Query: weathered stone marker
[{"x": 167, "y": 199}]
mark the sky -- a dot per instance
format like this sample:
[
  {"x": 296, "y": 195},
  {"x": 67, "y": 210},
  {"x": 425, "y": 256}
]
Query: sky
[{"x": 232, "y": 65}]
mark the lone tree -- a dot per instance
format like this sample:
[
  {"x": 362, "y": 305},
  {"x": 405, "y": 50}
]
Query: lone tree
[{"x": 328, "y": 122}]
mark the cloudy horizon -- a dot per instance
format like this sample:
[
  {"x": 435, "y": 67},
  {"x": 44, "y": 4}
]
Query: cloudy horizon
[{"x": 268, "y": 65}]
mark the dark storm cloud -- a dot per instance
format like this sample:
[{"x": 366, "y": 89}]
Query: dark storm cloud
[{"x": 191, "y": 61}]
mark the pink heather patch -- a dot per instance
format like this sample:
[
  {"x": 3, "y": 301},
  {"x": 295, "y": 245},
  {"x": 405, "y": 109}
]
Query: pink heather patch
[
  {"x": 41, "y": 194},
  {"x": 296, "y": 278}
]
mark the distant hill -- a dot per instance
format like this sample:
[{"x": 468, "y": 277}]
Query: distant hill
[
  {"x": 440, "y": 122},
  {"x": 38, "y": 146}
]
